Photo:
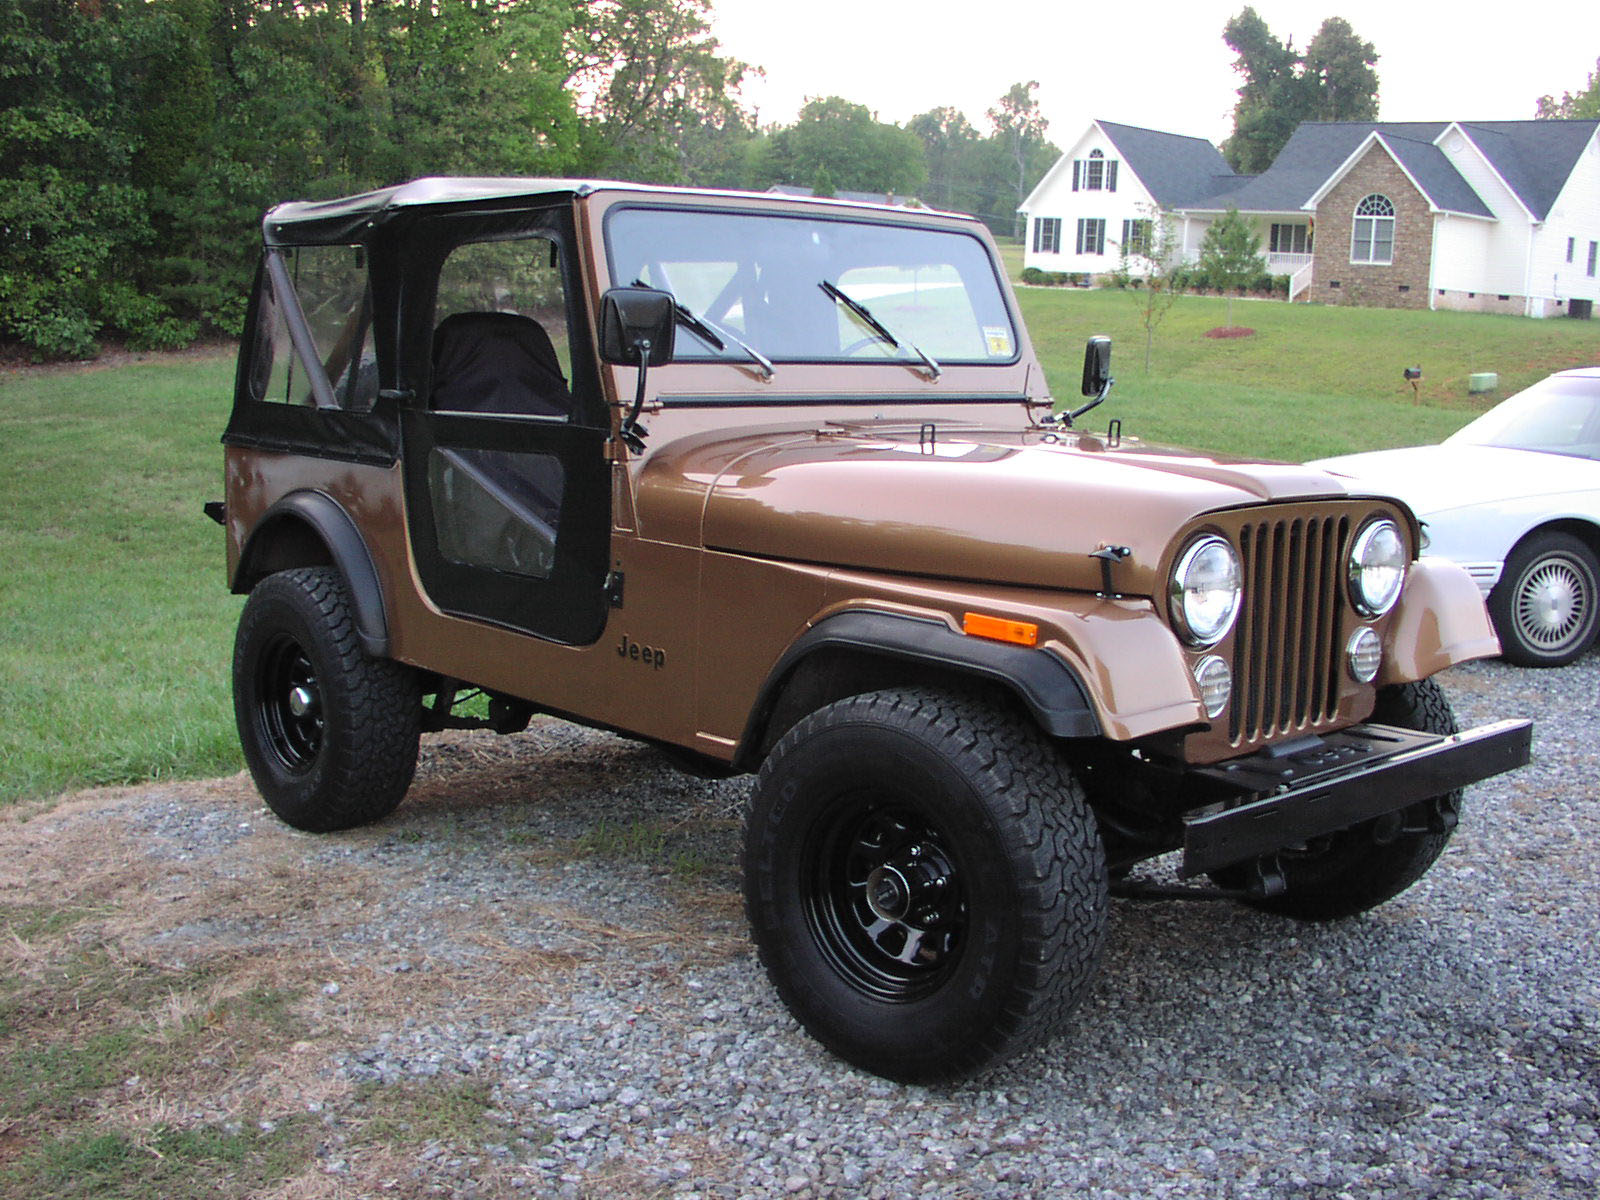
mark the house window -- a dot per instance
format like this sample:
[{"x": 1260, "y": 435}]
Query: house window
[
  {"x": 1594, "y": 250},
  {"x": 1095, "y": 173},
  {"x": 1047, "y": 235},
  {"x": 1091, "y": 235},
  {"x": 1372, "y": 237},
  {"x": 1136, "y": 237},
  {"x": 1290, "y": 239}
]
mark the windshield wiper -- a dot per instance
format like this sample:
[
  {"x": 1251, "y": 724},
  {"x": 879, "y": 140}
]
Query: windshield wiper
[
  {"x": 713, "y": 334},
  {"x": 879, "y": 328}
]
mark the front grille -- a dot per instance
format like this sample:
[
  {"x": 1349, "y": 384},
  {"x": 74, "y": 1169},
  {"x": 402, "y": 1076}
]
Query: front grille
[{"x": 1286, "y": 648}]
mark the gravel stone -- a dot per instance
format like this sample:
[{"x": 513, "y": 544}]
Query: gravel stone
[{"x": 1445, "y": 1045}]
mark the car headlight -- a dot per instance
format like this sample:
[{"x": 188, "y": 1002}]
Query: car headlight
[
  {"x": 1377, "y": 568},
  {"x": 1205, "y": 591}
]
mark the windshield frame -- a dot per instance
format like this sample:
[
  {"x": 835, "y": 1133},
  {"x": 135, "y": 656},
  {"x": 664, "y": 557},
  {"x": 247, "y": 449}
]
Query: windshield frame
[{"x": 864, "y": 217}]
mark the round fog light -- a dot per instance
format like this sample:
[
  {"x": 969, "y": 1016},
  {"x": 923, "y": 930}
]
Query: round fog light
[
  {"x": 1216, "y": 684},
  {"x": 1365, "y": 653}
]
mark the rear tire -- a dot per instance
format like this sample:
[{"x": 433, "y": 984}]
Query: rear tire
[
  {"x": 1359, "y": 868},
  {"x": 329, "y": 733},
  {"x": 924, "y": 881},
  {"x": 1546, "y": 606}
]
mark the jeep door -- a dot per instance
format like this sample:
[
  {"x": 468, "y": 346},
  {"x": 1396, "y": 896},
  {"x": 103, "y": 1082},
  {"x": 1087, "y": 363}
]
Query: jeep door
[{"x": 506, "y": 482}]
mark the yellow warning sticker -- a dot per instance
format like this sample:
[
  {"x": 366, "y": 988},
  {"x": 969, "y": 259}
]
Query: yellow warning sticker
[{"x": 998, "y": 338}]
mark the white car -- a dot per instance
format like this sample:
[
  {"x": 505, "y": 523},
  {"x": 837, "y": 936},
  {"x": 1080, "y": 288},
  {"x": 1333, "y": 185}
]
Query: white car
[{"x": 1514, "y": 497}]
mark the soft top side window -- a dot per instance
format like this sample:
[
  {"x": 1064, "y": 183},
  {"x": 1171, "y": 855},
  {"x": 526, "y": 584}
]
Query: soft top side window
[
  {"x": 500, "y": 338},
  {"x": 330, "y": 287}
]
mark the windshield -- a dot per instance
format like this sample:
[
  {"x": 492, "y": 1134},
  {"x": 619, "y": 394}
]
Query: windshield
[
  {"x": 759, "y": 277},
  {"x": 1558, "y": 415}
]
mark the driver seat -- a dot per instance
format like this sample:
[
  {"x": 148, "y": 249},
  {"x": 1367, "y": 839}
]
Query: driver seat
[{"x": 496, "y": 362}]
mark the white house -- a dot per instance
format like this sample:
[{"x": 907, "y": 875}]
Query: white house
[{"x": 1499, "y": 216}]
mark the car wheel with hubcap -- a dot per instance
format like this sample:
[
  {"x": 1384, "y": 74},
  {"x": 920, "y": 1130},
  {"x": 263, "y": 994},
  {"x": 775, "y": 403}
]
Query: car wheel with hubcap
[
  {"x": 1546, "y": 605},
  {"x": 329, "y": 733},
  {"x": 1359, "y": 868},
  {"x": 924, "y": 881}
]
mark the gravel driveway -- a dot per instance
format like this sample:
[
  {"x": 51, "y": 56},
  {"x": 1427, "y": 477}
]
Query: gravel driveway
[{"x": 556, "y": 916}]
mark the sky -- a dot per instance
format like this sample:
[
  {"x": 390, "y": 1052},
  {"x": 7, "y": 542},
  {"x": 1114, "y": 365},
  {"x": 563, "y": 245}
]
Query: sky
[{"x": 1156, "y": 63}]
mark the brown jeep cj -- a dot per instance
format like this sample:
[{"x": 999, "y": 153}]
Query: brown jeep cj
[{"x": 779, "y": 486}]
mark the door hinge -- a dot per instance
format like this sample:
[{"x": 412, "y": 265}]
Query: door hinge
[{"x": 614, "y": 589}]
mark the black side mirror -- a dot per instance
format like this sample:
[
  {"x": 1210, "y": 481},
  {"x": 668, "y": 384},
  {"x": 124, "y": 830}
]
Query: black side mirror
[
  {"x": 637, "y": 325},
  {"x": 1097, "y": 379},
  {"x": 1096, "y": 365},
  {"x": 635, "y": 321}
]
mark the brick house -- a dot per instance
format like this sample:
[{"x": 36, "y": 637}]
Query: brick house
[{"x": 1484, "y": 216}]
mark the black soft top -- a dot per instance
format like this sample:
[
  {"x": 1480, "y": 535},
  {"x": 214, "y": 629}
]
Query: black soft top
[
  {"x": 347, "y": 220},
  {"x": 350, "y": 219}
]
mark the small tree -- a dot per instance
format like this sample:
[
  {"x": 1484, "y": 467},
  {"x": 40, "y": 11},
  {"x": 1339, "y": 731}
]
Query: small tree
[
  {"x": 1230, "y": 255},
  {"x": 1574, "y": 105},
  {"x": 1150, "y": 258}
]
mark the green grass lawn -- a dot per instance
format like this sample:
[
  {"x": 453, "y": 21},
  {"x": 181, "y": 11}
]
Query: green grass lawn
[
  {"x": 116, "y": 625},
  {"x": 1311, "y": 381},
  {"x": 1011, "y": 257},
  {"x": 115, "y": 618}
]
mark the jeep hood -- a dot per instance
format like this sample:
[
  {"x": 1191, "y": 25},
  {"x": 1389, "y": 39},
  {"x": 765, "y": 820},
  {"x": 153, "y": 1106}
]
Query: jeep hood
[{"x": 1009, "y": 507}]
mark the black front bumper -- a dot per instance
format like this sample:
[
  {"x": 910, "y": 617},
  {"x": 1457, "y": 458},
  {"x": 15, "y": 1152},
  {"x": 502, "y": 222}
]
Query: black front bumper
[{"x": 1285, "y": 795}]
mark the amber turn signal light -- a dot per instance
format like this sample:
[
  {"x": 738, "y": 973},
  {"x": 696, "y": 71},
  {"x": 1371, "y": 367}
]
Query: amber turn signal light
[{"x": 1023, "y": 633}]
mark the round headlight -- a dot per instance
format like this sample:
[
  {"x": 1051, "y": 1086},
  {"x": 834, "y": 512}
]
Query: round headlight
[
  {"x": 1377, "y": 568},
  {"x": 1205, "y": 591}
]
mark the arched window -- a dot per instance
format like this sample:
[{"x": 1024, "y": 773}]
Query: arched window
[
  {"x": 1095, "y": 173},
  {"x": 1372, "y": 235}
]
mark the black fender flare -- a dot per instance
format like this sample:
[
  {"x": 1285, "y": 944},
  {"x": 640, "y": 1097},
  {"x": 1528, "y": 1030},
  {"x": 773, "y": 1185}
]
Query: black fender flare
[
  {"x": 347, "y": 551},
  {"x": 1047, "y": 685}
]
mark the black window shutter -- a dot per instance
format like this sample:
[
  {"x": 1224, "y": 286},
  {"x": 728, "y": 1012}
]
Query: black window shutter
[
  {"x": 1077, "y": 170},
  {"x": 1111, "y": 175}
]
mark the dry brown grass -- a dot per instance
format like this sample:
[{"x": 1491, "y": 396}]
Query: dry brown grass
[{"x": 204, "y": 980}]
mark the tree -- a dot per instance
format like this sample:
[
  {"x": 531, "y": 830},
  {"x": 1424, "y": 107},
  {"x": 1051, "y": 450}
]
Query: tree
[
  {"x": 1581, "y": 105},
  {"x": 654, "y": 70},
  {"x": 71, "y": 219},
  {"x": 1333, "y": 80},
  {"x": 859, "y": 153},
  {"x": 1020, "y": 126},
  {"x": 140, "y": 140},
  {"x": 1337, "y": 80},
  {"x": 1151, "y": 257},
  {"x": 1230, "y": 254},
  {"x": 948, "y": 140}
]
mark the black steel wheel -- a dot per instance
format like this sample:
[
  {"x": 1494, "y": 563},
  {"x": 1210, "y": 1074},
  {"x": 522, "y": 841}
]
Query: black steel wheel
[
  {"x": 1546, "y": 606},
  {"x": 1357, "y": 869},
  {"x": 289, "y": 705},
  {"x": 329, "y": 734},
  {"x": 924, "y": 881},
  {"x": 884, "y": 897}
]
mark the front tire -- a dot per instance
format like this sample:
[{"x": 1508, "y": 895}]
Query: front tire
[
  {"x": 1546, "y": 606},
  {"x": 330, "y": 734},
  {"x": 924, "y": 881},
  {"x": 1357, "y": 869}
]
